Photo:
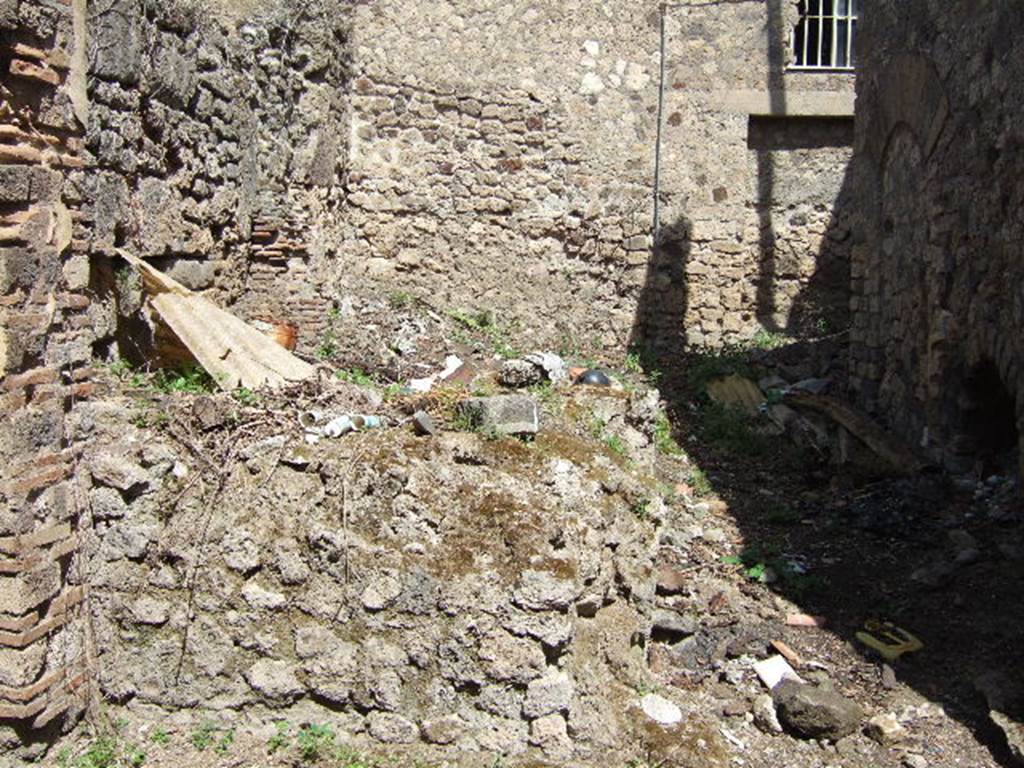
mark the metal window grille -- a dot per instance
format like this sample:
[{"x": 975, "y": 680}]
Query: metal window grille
[{"x": 824, "y": 37}]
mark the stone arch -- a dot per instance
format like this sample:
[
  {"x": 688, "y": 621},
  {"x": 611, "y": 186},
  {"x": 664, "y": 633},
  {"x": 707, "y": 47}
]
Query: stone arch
[{"x": 914, "y": 97}]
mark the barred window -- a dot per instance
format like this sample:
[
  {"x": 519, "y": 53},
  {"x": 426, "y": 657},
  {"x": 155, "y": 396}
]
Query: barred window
[{"x": 824, "y": 36}]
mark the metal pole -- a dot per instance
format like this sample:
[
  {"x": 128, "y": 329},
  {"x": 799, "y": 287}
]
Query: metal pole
[{"x": 657, "y": 143}]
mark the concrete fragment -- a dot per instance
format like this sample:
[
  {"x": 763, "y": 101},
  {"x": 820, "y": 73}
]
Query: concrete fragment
[
  {"x": 443, "y": 730},
  {"x": 551, "y": 735},
  {"x": 548, "y": 694},
  {"x": 520, "y": 373},
  {"x": 258, "y": 597},
  {"x": 885, "y": 729},
  {"x": 504, "y": 414},
  {"x": 20, "y": 667},
  {"x": 274, "y": 679},
  {"x": 390, "y": 728},
  {"x": 147, "y": 610},
  {"x": 240, "y": 552},
  {"x": 381, "y": 593},
  {"x": 511, "y": 659},
  {"x": 765, "y": 716},
  {"x": 774, "y": 670},
  {"x": 545, "y": 590}
]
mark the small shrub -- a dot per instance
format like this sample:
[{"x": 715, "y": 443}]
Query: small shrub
[
  {"x": 730, "y": 430},
  {"x": 399, "y": 299},
  {"x": 159, "y": 736}
]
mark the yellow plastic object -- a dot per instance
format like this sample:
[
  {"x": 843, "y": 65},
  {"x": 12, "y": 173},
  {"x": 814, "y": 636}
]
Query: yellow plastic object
[{"x": 888, "y": 640}]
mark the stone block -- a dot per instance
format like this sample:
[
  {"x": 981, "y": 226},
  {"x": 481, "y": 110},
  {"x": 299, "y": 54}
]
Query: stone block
[
  {"x": 21, "y": 667},
  {"x": 504, "y": 414},
  {"x": 20, "y": 594}
]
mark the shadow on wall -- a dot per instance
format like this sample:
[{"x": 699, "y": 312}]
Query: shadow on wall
[{"x": 911, "y": 551}]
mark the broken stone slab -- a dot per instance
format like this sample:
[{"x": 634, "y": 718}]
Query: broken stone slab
[
  {"x": 423, "y": 424},
  {"x": 815, "y": 713},
  {"x": 503, "y": 414}
]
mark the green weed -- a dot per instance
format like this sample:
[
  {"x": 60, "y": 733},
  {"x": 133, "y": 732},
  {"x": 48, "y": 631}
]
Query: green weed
[
  {"x": 778, "y": 513},
  {"x": 315, "y": 742},
  {"x": 615, "y": 445},
  {"x": 281, "y": 738},
  {"x": 355, "y": 376},
  {"x": 190, "y": 379},
  {"x": 663, "y": 439},
  {"x": 204, "y": 735},
  {"x": 225, "y": 742},
  {"x": 699, "y": 482},
  {"x": 483, "y": 325},
  {"x": 399, "y": 299},
  {"x": 329, "y": 343},
  {"x": 730, "y": 430},
  {"x": 159, "y": 736},
  {"x": 245, "y": 396}
]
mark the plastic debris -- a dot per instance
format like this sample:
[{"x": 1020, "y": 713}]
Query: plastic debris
[
  {"x": 774, "y": 670},
  {"x": 594, "y": 378},
  {"x": 452, "y": 363},
  {"x": 234, "y": 353},
  {"x": 318, "y": 424},
  {"x": 887, "y": 640}
]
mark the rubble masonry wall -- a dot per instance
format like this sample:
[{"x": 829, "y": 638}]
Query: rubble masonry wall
[
  {"x": 937, "y": 278},
  {"x": 217, "y": 148},
  {"x": 503, "y": 158}
]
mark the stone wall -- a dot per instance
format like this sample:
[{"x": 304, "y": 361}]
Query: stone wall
[
  {"x": 503, "y": 158},
  {"x": 475, "y": 597},
  {"x": 45, "y": 364},
  {"x": 937, "y": 272},
  {"x": 216, "y": 149}
]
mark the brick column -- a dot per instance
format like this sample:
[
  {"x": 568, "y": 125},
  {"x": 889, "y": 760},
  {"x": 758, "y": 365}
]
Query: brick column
[{"x": 45, "y": 353}]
